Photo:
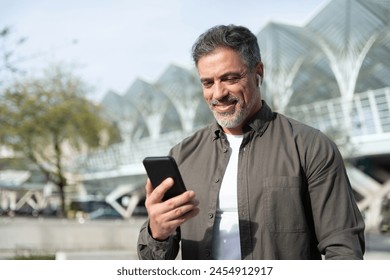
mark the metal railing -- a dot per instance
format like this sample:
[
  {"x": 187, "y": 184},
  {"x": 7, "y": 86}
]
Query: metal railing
[
  {"x": 368, "y": 113},
  {"x": 128, "y": 152}
]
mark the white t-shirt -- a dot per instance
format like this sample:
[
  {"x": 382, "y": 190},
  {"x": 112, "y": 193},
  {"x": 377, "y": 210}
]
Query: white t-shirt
[{"x": 226, "y": 233}]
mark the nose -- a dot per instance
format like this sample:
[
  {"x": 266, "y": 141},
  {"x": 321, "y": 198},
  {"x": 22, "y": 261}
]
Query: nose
[{"x": 220, "y": 91}]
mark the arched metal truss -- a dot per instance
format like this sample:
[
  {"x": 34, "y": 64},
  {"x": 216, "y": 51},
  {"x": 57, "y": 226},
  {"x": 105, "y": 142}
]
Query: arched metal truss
[{"x": 343, "y": 49}]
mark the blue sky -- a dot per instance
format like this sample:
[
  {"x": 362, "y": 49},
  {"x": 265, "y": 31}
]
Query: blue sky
[{"x": 111, "y": 43}]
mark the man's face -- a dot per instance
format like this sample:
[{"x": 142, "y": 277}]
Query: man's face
[{"x": 229, "y": 88}]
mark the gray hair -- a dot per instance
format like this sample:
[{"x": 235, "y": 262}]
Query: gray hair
[{"x": 237, "y": 38}]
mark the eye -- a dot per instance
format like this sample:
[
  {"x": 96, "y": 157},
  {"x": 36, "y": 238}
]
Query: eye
[
  {"x": 231, "y": 79},
  {"x": 207, "y": 83}
]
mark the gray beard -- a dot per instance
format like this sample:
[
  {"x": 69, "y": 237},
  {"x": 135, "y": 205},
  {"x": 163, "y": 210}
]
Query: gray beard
[
  {"x": 236, "y": 118},
  {"x": 230, "y": 120}
]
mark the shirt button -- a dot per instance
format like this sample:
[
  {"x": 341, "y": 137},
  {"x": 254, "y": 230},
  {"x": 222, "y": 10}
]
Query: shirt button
[
  {"x": 208, "y": 253},
  {"x": 211, "y": 215},
  {"x": 225, "y": 150},
  {"x": 216, "y": 180}
]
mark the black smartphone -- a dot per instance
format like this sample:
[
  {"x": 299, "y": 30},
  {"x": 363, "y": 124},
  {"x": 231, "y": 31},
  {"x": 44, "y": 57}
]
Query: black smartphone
[{"x": 160, "y": 168}]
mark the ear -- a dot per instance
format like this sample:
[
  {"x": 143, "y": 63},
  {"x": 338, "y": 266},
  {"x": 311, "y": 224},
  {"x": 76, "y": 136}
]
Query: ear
[{"x": 260, "y": 71}]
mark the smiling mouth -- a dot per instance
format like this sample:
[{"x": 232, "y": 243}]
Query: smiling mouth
[
  {"x": 224, "y": 108},
  {"x": 225, "y": 105}
]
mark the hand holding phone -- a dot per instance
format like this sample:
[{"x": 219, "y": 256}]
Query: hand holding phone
[{"x": 160, "y": 168}]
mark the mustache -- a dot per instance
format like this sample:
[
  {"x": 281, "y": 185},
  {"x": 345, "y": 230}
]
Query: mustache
[{"x": 226, "y": 99}]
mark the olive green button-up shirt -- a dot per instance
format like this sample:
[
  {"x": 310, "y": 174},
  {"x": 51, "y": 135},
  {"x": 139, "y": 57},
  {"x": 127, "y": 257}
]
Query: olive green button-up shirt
[{"x": 294, "y": 197}]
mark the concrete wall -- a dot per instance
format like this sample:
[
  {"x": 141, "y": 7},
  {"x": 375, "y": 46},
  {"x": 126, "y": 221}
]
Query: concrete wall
[{"x": 38, "y": 236}]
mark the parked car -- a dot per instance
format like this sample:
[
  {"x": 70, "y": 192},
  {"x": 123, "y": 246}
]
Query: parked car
[{"x": 384, "y": 226}]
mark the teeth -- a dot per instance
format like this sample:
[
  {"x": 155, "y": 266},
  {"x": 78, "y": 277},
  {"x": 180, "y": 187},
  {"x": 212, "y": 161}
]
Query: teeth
[{"x": 224, "y": 107}]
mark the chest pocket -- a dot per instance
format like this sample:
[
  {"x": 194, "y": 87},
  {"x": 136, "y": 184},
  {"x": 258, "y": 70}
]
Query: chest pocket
[{"x": 284, "y": 206}]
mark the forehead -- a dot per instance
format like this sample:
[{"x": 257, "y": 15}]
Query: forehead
[{"x": 219, "y": 61}]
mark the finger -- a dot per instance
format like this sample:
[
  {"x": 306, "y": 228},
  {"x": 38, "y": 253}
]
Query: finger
[
  {"x": 189, "y": 215},
  {"x": 169, "y": 210},
  {"x": 148, "y": 188},
  {"x": 183, "y": 210},
  {"x": 180, "y": 200},
  {"x": 182, "y": 219},
  {"x": 157, "y": 193},
  {"x": 171, "y": 225}
]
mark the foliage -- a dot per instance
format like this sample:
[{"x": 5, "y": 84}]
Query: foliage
[
  {"x": 48, "y": 119},
  {"x": 8, "y": 47}
]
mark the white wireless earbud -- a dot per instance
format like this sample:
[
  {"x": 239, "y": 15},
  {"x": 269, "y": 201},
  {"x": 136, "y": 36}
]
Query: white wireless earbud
[{"x": 259, "y": 80}]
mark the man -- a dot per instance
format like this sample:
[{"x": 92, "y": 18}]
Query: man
[{"x": 266, "y": 186}]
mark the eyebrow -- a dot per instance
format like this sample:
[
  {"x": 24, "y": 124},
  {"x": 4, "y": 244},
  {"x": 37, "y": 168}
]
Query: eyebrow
[
  {"x": 232, "y": 73},
  {"x": 227, "y": 74}
]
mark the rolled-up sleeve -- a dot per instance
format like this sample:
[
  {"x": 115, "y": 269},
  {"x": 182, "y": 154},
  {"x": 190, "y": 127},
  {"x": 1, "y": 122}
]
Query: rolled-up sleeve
[{"x": 151, "y": 249}]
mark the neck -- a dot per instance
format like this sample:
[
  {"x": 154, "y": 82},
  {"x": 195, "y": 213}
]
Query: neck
[{"x": 233, "y": 131}]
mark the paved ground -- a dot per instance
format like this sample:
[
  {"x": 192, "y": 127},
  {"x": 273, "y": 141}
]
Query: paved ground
[{"x": 377, "y": 246}]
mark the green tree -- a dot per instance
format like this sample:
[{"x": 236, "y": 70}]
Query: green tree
[{"x": 48, "y": 119}]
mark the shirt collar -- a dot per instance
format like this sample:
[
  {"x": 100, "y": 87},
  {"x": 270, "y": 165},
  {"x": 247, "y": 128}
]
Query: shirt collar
[{"x": 258, "y": 123}]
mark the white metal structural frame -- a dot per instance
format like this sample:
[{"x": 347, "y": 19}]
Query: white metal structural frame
[
  {"x": 173, "y": 103},
  {"x": 284, "y": 49},
  {"x": 322, "y": 59},
  {"x": 344, "y": 47},
  {"x": 370, "y": 123},
  {"x": 370, "y": 135},
  {"x": 341, "y": 43},
  {"x": 184, "y": 90},
  {"x": 12, "y": 200},
  {"x": 369, "y": 119},
  {"x": 356, "y": 27}
]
